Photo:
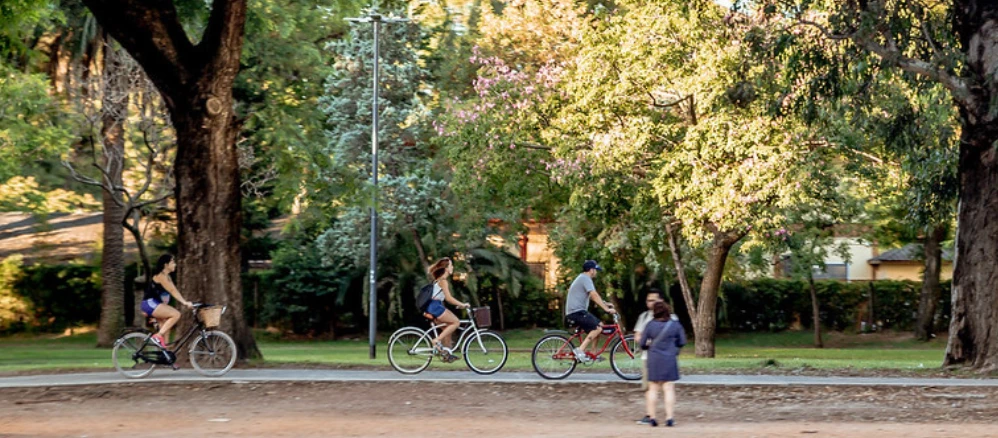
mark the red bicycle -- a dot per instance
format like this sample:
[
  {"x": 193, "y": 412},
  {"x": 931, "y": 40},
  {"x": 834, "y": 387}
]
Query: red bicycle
[{"x": 554, "y": 358}]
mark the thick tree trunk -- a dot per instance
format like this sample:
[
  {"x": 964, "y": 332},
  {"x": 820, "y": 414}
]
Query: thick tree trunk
[
  {"x": 815, "y": 313},
  {"x": 114, "y": 106},
  {"x": 209, "y": 214},
  {"x": 973, "y": 332},
  {"x": 925, "y": 324},
  {"x": 195, "y": 81},
  {"x": 705, "y": 323}
]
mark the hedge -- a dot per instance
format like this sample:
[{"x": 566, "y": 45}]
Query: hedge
[
  {"x": 48, "y": 297},
  {"x": 773, "y": 305}
]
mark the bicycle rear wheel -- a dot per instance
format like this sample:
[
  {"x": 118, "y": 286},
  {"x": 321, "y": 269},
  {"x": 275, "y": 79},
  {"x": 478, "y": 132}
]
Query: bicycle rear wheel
[
  {"x": 485, "y": 353},
  {"x": 410, "y": 351},
  {"x": 129, "y": 355},
  {"x": 553, "y": 357},
  {"x": 213, "y": 353},
  {"x": 627, "y": 365}
]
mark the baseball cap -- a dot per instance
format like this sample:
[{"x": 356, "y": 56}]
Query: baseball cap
[{"x": 591, "y": 264}]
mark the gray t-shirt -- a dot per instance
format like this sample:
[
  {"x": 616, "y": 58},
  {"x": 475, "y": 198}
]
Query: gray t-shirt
[{"x": 578, "y": 294}]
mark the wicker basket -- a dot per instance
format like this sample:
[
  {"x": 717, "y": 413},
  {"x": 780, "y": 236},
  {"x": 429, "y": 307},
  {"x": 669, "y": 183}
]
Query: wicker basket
[
  {"x": 211, "y": 316},
  {"x": 482, "y": 315}
]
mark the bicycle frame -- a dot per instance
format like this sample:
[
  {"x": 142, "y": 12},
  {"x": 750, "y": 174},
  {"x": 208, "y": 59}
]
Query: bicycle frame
[
  {"x": 468, "y": 326},
  {"x": 617, "y": 334},
  {"x": 197, "y": 328}
]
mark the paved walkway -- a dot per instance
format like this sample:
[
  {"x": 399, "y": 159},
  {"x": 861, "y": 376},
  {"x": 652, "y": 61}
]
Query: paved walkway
[{"x": 284, "y": 375}]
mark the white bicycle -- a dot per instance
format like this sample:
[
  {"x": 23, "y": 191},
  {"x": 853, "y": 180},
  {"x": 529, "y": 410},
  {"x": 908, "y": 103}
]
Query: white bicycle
[{"x": 410, "y": 349}]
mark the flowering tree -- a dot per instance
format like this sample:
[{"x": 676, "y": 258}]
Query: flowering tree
[{"x": 647, "y": 124}]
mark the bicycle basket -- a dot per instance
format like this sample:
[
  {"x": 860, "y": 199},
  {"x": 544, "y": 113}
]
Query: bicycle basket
[
  {"x": 211, "y": 316},
  {"x": 482, "y": 315}
]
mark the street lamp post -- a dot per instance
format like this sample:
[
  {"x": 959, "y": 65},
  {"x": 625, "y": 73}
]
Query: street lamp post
[{"x": 376, "y": 19}]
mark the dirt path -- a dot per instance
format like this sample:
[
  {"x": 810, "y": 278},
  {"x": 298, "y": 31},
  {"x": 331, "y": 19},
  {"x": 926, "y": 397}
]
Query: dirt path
[{"x": 487, "y": 410}]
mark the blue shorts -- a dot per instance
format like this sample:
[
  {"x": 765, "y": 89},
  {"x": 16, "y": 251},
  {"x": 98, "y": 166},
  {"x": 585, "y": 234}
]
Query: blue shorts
[
  {"x": 148, "y": 306},
  {"x": 436, "y": 308}
]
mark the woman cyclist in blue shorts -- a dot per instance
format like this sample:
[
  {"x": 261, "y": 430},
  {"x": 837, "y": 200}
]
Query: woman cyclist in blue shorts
[
  {"x": 436, "y": 311},
  {"x": 158, "y": 291}
]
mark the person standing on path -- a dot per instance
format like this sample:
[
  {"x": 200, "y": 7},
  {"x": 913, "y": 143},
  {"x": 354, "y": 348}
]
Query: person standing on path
[
  {"x": 577, "y": 307},
  {"x": 663, "y": 338},
  {"x": 654, "y": 295}
]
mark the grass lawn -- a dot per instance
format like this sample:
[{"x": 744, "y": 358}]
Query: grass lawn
[{"x": 735, "y": 353}]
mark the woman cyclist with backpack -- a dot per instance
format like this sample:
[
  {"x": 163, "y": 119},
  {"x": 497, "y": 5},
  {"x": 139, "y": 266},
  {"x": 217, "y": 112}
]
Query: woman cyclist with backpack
[{"x": 436, "y": 311}]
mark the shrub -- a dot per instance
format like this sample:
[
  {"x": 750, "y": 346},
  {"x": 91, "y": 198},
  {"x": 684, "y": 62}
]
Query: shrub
[{"x": 48, "y": 297}]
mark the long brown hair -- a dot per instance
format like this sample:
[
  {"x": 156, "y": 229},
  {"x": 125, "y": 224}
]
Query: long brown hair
[{"x": 439, "y": 268}]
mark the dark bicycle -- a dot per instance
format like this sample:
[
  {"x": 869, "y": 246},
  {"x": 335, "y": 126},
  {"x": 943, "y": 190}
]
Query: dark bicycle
[{"x": 213, "y": 352}]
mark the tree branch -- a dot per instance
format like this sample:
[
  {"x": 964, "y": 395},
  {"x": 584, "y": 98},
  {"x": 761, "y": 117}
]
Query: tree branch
[
  {"x": 677, "y": 260},
  {"x": 151, "y": 32},
  {"x": 957, "y": 86},
  {"x": 225, "y": 28}
]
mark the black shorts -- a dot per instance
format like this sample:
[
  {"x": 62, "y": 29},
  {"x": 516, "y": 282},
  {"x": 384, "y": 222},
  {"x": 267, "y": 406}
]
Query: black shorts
[{"x": 583, "y": 319}]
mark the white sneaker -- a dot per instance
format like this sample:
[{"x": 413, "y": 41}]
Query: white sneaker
[{"x": 581, "y": 356}]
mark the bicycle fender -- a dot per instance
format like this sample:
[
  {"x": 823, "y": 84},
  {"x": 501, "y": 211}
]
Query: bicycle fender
[{"x": 555, "y": 332}]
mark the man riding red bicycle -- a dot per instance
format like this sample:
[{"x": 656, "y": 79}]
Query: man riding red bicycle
[{"x": 577, "y": 313}]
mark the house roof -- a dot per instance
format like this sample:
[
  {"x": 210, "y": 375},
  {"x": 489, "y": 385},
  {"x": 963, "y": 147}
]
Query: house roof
[{"x": 911, "y": 252}]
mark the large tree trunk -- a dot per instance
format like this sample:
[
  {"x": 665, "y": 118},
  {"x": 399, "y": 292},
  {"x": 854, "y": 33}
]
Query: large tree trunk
[
  {"x": 705, "y": 323},
  {"x": 114, "y": 107},
  {"x": 209, "y": 214},
  {"x": 925, "y": 323},
  {"x": 973, "y": 332},
  {"x": 195, "y": 81},
  {"x": 815, "y": 312}
]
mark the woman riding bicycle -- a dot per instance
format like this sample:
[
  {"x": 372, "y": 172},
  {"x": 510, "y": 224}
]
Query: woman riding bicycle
[
  {"x": 157, "y": 295},
  {"x": 436, "y": 311}
]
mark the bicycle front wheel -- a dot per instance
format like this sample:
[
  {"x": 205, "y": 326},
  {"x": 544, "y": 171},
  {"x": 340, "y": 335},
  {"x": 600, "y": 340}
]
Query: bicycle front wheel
[
  {"x": 553, "y": 358},
  {"x": 485, "y": 353},
  {"x": 213, "y": 353},
  {"x": 131, "y": 353},
  {"x": 410, "y": 351},
  {"x": 625, "y": 359}
]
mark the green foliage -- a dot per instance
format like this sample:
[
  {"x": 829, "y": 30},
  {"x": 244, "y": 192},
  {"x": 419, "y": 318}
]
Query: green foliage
[
  {"x": 774, "y": 305},
  {"x": 47, "y": 297},
  {"x": 298, "y": 294},
  {"x": 33, "y": 126}
]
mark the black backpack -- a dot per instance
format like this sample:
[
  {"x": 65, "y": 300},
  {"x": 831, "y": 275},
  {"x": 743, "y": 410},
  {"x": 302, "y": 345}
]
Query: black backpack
[{"x": 424, "y": 296}]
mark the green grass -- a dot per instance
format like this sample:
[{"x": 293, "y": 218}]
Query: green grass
[{"x": 735, "y": 352}]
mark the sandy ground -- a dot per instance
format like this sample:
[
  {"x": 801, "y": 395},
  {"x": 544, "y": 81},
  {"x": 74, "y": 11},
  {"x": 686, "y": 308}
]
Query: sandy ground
[{"x": 488, "y": 410}]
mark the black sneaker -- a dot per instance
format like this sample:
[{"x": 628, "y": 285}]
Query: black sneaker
[
  {"x": 653, "y": 423},
  {"x": 644, "y": 421},
  {"x": 670, "y": 423}
]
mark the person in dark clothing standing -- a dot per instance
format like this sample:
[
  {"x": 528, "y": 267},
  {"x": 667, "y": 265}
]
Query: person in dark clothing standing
[{"x": 662, "y": 338}]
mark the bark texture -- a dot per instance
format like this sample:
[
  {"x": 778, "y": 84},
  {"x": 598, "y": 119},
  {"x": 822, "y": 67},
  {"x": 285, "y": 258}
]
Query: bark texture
[
  {"x": 925, "y": 324},
  {"x": 195, "y": 81},
  {"x": 114, "y": 107},
  {"x": 705, "y": 324}
]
